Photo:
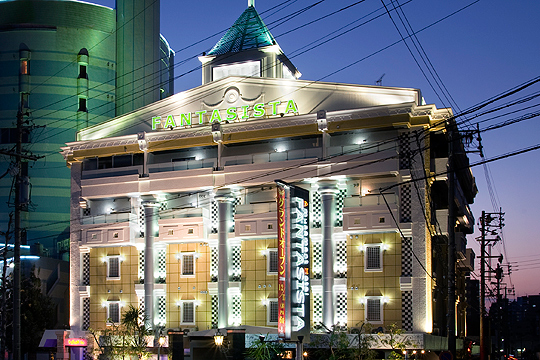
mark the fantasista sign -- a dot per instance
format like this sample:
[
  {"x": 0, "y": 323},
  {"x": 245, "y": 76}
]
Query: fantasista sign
[{"x": 242, "y": 113}]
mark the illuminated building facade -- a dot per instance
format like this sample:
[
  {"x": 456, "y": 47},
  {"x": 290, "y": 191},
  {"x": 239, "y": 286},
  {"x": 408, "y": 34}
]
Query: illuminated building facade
[
  {"x": 65, "y": 66},
  {"x": 174, "y": 205}
]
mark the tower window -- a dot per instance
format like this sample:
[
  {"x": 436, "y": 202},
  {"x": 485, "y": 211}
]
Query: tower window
[
  {"x": 82, "y": 105},
  {"x": 82, "y": 72},
  {"x": 24, "y": 67},
  {"x": 113, "y": 268}
]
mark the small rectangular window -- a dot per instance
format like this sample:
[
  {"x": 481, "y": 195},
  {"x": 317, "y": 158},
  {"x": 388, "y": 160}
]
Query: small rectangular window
[
  {"x": 188, "y": 264},
  {"x": 113, "y": 312},
  {"x": 373, "y": 260},
  {"x": 113, "y": 267},
  {"x": 82, "y": 72},
  {"x": 272, "y": 261},
  {"x": 272, "y": 312},
  {"x": 247, "y": 227},
  {"x": 170, "y": 232},
  {"x": 270, "y": 226},
  {"x": 24, "y": 67},
  {"x": 373, "y": 310},
  {"x": 188, "y": 312},
  {"x": 382, "y": 220},
  {"x": 82, "y": 105}
]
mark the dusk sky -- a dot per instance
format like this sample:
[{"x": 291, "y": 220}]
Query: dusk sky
[{"x": 479, "y": 52}]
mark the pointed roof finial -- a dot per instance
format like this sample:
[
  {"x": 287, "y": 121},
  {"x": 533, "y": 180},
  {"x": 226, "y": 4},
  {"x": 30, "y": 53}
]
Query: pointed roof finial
[{"x": 251, "y": 3}]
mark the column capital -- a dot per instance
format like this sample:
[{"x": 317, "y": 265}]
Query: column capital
[
  {"x": 224, "y": 195},
  {"x": 327, "y": 187}
]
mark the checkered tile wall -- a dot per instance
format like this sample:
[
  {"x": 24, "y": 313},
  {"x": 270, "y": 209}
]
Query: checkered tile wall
[
  {"x": 404, "y": 152},
  {"x": 316, "y": 209},
  {"x": 86, "y": 269},
  {"x": 406, "y": 256},
  {"x": 237, "y": 309},
  {"x": 406, "y": 311},
  {"x": 340, "y": 198},
  {"x": 162, "y": 310},
  {"x": 236, "y": 261},
  {"x": 162, "y": 263},
  {"x": 214, "y": 262},
  {"x": 141, "y": 220},
  {"x": 214, "y": 311},
  {"x": 341, "y": 308},
  {"x": 141, "y": 265},
  {"x": 316, "y": 266},
  {"x": 215, "y": 217},
  {"x": 86, "y": 313},
  {"x": 317, "y": 308},
  {"x": 341, "y": 256},
  {"x": 405, "y": 214}
]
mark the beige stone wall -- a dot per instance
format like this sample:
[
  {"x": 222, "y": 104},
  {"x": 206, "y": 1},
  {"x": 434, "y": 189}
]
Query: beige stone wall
[
  {"x": 195, "y": 287},
  {"x": 102, "y": 290},
  {"x": 257, "y": 284},
  {"x": 377, "y": 283}
]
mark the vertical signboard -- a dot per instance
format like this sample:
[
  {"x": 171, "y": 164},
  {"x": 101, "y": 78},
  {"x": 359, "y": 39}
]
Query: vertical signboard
[{"x": 293, "y": 262}]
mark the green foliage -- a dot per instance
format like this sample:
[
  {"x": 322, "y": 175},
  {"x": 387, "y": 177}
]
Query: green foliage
[
  {"x": 339, "y": 345},
  {"x": 127, "y": 339},
  {"x": 395, "y": 341},
  {"x": 265, "y": 350}
]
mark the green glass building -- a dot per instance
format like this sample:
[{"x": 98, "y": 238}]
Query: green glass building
[{"x": 67, "y": 65}]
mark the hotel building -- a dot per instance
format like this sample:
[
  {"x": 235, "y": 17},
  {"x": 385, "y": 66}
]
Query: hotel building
[{"x": 173, "y": 206}]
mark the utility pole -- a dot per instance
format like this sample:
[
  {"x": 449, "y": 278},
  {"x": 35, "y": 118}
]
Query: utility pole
[
  {"x": 19, "y": 202},
  {"x": 451, "y": 316},
  {"x": 17, "y": 244},
  {"x": 490, "y": 223}
]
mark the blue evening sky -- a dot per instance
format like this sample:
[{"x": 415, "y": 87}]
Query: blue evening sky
[{"x": 484, "y": 50}]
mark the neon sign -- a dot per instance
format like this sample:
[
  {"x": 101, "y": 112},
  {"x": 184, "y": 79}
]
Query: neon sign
[
  {"x": 75, "y": 342},
  {"x": 242, "y": 113},
  {"x": 293, "y": 261}
]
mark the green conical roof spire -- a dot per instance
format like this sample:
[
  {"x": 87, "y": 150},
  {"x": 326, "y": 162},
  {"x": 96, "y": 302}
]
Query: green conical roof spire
[{"x": 247, "y": 32}]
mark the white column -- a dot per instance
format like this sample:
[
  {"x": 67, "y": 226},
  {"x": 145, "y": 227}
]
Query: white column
[
  {"x": 328, "y": 192},
  {"x": 150, "y": 231},
  {"x": 224, "y": 215},
  {"x": 75, "y": 318}
]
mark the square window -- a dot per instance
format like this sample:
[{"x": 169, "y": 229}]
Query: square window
[
  {"x": 270, "y": 226},
  {"x": 94, "y": 236},
  {"x": 382, "y": 220},
  {"x": 247, "y": 227},
  {"x": 374, "y": 310},
  {"x": 272, "y": 262},
  {"x": 113, "y": 268},
  {"x": 170, "y": 232},
  {"x": 188, "y": 312},
  {"x": 188, "y": 264},
  {"x": 373, "y": 258},
  {"x": 113, "y": 312},
  {"x": 190, "y": 231},
  {"x": 272, "y": 312},
  {"x": 357, "y": 221},
  {"x": 115, "y": 235}
]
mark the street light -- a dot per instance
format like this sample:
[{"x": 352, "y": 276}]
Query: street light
[
  {"x": 161, "y": 341},
  {"x": 218, "y": 338}
]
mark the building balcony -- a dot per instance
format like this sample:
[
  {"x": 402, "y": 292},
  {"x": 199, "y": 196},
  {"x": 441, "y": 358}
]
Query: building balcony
[
  {"x": 188, "y": 224},
  {"x": 112, "y": 229},
  {"x": 370, "y": 213}
]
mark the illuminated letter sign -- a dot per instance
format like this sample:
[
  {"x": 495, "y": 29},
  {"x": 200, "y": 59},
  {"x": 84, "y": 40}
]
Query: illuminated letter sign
[
  {"x": 243, "y": 113},
  {"x": 293, "y": 262},
  {"x": 75, "y": 342}
]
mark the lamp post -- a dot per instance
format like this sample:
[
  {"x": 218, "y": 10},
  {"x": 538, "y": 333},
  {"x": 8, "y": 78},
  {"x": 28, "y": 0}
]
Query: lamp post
[{"x": 161, "y": 341}]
